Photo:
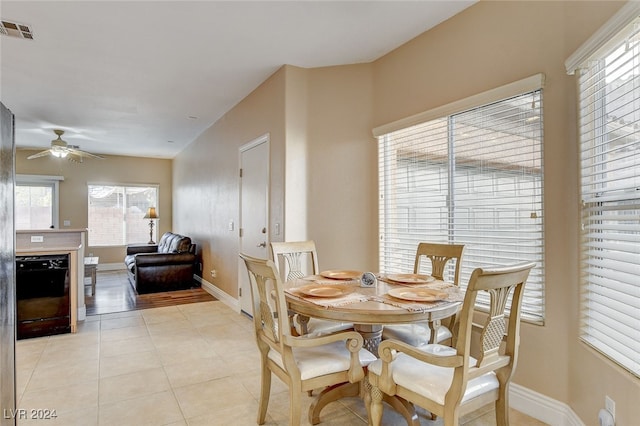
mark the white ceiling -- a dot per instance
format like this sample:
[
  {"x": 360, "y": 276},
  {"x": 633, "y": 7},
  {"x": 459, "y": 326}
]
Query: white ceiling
[{"x": 146, "y": 78}]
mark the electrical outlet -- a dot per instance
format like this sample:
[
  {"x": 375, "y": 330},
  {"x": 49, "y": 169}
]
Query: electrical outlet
[
  {"x": 37, "y": 238},
  {"x": 214, "y": 273},
  {"x": 610, "y": 406}
]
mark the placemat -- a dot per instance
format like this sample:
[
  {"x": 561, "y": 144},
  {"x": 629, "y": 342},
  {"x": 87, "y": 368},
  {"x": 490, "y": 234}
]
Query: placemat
[{"x": 329, "y": 302}]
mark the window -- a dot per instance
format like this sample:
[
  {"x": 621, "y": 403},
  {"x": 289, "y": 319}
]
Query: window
[
  {"x": 36, "y": 201},
  {"x": 472, "y": 176},
  {"x": 116, "y": 214},
  {"x": 609, "y": 131}
]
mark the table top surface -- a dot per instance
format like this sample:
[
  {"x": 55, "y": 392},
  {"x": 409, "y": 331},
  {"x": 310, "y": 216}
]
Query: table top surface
[{"x": 373, "y": 311}]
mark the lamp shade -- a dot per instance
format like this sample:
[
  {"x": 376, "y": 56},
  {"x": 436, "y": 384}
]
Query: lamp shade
[{"x": 151, "y": 213}]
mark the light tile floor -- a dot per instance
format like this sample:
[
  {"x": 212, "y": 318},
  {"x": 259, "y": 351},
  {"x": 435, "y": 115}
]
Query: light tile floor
[{"x": 194, "y": 364}]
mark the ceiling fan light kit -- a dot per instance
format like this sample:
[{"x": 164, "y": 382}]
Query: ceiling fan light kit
[{"x": 61, "y": 149}]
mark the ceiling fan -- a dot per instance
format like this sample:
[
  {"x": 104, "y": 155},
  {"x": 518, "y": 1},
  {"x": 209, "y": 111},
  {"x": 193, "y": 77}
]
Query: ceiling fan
[{"x": 61, "y": 149}]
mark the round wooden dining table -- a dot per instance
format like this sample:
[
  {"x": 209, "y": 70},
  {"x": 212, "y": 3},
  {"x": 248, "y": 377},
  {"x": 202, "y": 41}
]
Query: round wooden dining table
[{"x": 369, "y": 315}]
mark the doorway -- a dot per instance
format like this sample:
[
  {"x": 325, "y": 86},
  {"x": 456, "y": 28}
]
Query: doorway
[{"x": 254, "y": 211}]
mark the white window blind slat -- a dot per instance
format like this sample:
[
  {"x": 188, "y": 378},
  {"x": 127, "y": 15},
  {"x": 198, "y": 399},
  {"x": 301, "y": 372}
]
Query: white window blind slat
[
  {"x": 472, "y": 177},
  {"x": 609, "y": 113}
]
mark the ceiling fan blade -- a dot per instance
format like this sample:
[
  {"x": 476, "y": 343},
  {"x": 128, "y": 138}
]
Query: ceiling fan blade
[
  {"x": 80, "y": 153},
  {"x": 40, "y": 154},
  {"x": 74, "y": 158}
]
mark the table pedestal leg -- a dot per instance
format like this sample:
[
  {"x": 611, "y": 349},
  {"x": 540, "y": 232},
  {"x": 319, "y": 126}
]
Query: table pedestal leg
[
  {"x": 330, "y": 394},
  {"x": 372, "y": 335},
  {"x": 362, "y": 389}
]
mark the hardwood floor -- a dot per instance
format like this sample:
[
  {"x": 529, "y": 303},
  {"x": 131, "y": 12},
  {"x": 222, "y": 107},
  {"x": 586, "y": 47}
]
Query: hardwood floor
[{"x": 115, "y": 294}]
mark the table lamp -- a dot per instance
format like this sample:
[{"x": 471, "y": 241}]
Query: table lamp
[{"x": 151, "y": 214}]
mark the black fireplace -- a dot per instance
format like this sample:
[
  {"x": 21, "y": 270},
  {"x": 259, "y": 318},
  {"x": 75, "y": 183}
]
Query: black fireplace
[{"x": 42, "y": 295}]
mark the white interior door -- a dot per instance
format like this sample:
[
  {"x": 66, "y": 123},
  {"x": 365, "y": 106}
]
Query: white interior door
[{"x": 254, "y": 210}]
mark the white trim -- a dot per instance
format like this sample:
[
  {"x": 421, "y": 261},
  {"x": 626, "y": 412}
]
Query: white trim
[
  {"x": 38, "y": 178},
  {"x": 111, "y": 267},
  {"x": 515, "y": 88},
  {"x": 542, "y": 407},
  {"x": 255, "y": 142},
  {"x": 263, "y": 139},
  {"x": 206, "y": 285},
  {"x": 218, "y": 294},
  {"x": 82, "y": 312},
  {"x": 603, "y": 36}
]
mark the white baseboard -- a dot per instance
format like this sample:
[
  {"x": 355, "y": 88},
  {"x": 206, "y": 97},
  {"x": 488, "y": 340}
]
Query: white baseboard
[
  {"x": 527, "y": 401},
  {"x": 82, "y": 313},
  {"x": 111, "y": 267},
  {"x": 218, "y": 294},
  {"x": 541, "y": 407}
]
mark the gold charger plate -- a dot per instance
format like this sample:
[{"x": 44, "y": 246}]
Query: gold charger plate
[
  {"x": 410, "y": 278},
  {"x": 329, "y": 290},
  {"x": 340, "y": 274},
  {"x": 417, "y": 294}
]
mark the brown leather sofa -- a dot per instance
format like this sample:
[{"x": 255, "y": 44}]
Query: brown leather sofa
[{"x": 169, "y": 265}]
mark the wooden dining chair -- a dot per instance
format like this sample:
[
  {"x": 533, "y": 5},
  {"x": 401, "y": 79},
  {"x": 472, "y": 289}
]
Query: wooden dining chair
[
  {"x": 303, "y": 363},
  {"x": 451, "y": 381},
  {"x": 440, "y": 256},
  {"x": 300, "y": 259}
]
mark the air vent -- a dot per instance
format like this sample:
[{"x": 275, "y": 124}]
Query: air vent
[{"x": 14, "y": 29}]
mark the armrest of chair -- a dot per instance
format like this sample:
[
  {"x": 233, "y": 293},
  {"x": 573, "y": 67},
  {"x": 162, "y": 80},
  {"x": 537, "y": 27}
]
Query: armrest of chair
[
  {"x": 156, "y": 259},
  {"x": 353, "y": 340},
  {"x": 387, "y": 348},
  {"x": 146, "y": 248}
]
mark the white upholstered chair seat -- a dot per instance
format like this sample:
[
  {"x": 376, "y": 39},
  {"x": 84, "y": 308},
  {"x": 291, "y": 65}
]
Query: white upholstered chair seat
[
  {"x": 448, "y": 381},
  {"x": 303, "y": 363},
  {"x": 407, "y": 371},
  {"x": 320, "y": 327},
  {"x": 416, "y": 334},
  {"x": 321, "y": 360}
]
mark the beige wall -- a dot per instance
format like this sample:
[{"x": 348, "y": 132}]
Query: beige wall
[
  {"x": 488, "y": 45},
  {"x": 320, "y": 122},
  {"x": 207, "y": 180},
  {"x": 113, "y": 169},
  {"x": 342, "y": 178}
]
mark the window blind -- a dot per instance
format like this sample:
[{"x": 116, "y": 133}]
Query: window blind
[
  {"x": 474, "y": 177},
  {"x": 609, "y": 129}
]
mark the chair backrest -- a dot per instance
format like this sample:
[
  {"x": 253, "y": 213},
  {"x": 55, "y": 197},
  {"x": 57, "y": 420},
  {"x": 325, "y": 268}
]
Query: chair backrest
[
  {"x": 505, "y": 286},
  {"x": 439, "y": 254},
  {"x": 270, "y": 321},
  {"x": 295, "y": 256}
]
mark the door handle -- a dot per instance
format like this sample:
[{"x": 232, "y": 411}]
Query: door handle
[{"x": 262, "y": 244}]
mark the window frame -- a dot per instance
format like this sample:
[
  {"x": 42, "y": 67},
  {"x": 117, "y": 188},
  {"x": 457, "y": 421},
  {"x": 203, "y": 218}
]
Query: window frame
[
  {"x": 49, "y": 181},
  {"x": 448, "y": 112},
  {"x": 124, "y": 186},
  {"x": 608, "y": 308}
]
